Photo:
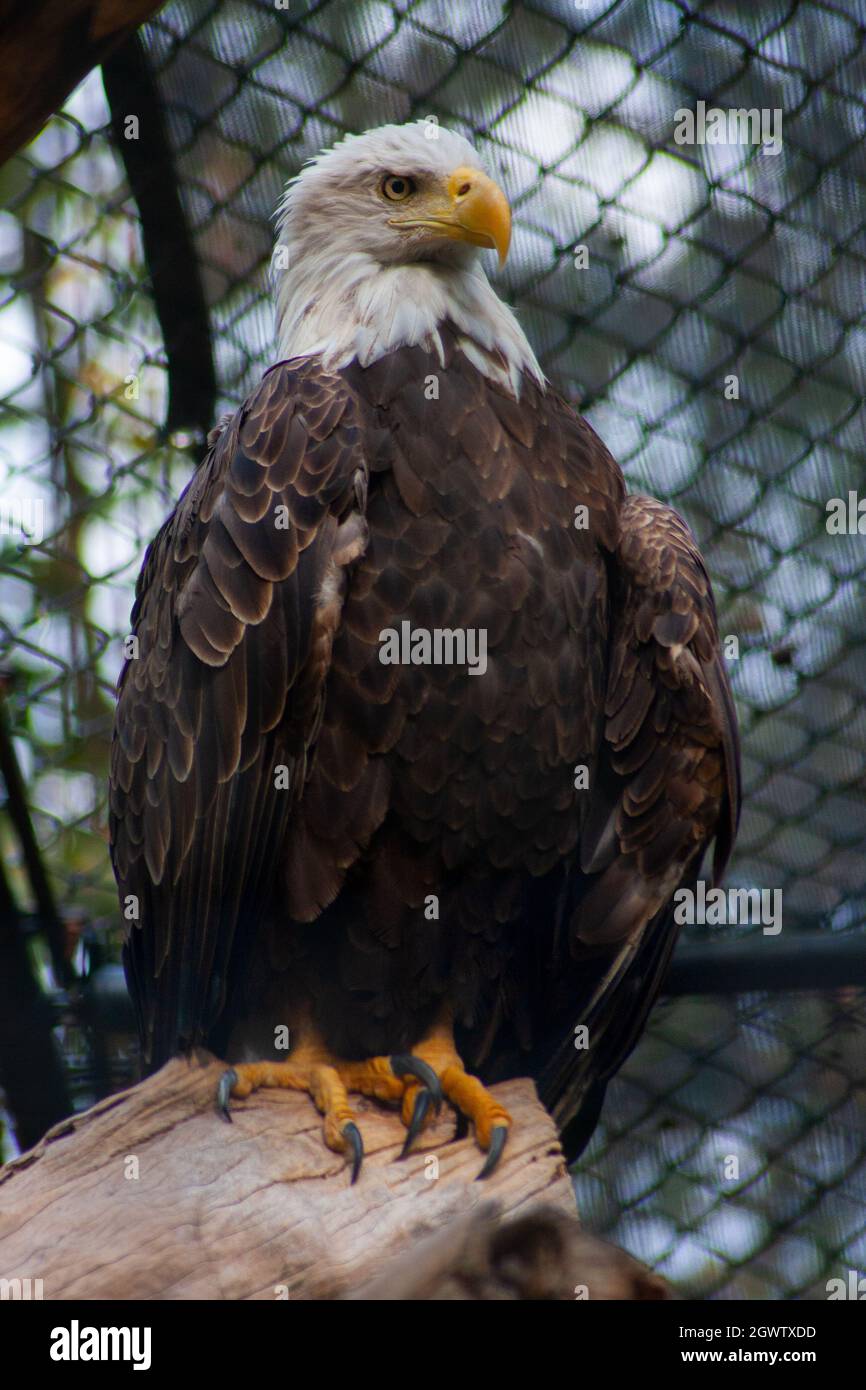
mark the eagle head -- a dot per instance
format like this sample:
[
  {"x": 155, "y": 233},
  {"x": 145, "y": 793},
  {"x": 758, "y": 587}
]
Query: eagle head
[
  {"x": 380, "y": 239},
  {"x": 400, "y": 194}
]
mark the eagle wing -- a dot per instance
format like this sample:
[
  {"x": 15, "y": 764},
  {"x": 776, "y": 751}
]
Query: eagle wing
[
  {"x": 666, "y": 784},
  {"x": 219, "y": 708}
]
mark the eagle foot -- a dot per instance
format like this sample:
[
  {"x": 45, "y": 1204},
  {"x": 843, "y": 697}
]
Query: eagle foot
[
  {"x": 417, "y": 1080},
  {"x": 471, "y": 1100},
  {"x": 329, "y": 1080}
]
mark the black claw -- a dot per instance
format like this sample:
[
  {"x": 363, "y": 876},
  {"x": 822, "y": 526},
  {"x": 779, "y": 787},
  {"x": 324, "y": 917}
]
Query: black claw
[
  {"x": 419, "y": 1114},
  {"x": 494, "y": 1153},
  {"x": 352, "y": 1135},
  {"x": 461, "y": 1125},
  {"x": 224, "y": 1089},
  {"x": 404, "y": 1064}
]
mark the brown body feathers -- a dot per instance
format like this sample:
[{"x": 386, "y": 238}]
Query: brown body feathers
[{"x": 306, "y": 827}]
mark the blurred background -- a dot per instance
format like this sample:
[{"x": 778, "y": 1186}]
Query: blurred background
[{"x": 134, "y": 308}]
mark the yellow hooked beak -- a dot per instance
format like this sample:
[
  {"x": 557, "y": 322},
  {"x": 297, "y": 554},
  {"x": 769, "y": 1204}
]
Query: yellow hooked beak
[{"x": 474, "y": 209}]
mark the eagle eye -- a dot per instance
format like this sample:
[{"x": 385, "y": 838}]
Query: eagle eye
[{"x": 396, "y": 187}]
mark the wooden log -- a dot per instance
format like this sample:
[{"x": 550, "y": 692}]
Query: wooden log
[
  {"x": 47, "y": 47},
  {"x": 151, "y": 1195}
]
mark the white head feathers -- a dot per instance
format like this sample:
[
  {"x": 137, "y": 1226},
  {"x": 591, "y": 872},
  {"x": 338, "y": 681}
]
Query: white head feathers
[{"x": 349, "y": 284}]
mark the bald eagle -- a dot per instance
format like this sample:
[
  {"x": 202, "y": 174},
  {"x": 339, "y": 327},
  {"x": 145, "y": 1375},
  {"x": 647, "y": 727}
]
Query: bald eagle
[{"x": 426, "y": 720}]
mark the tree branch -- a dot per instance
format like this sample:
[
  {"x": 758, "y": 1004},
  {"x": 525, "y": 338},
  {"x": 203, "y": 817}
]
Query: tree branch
[{"x": 151, "y": 1195}]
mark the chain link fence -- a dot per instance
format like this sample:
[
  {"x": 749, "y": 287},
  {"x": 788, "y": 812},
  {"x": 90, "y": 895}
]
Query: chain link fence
[{"x": 701, "y": 303}]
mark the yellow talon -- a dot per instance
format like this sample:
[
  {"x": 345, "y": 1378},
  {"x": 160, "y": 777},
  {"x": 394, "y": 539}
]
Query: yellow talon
[
  {"x": 416, "y": 1080},
  {"x": 472, "y": 1099}
]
